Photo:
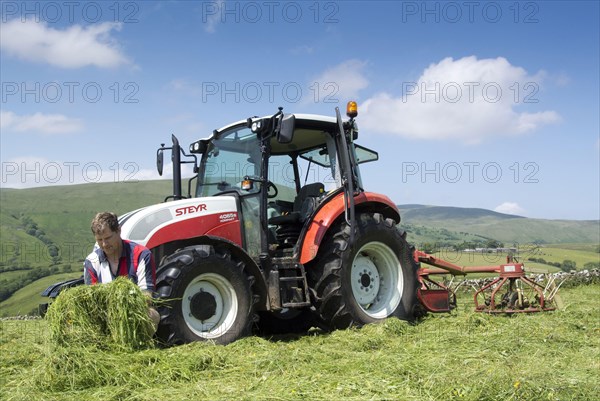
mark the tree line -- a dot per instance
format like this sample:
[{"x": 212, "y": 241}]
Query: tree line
[{"x": 566, "y": 265}]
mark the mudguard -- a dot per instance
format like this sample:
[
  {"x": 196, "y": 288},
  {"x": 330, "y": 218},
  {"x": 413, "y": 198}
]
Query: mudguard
[
  {"x": 55, "y": 289},
  {"x": 333, "y": 209}
]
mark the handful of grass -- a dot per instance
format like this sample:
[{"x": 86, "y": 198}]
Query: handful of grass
[{"x": 106, "y": 316}]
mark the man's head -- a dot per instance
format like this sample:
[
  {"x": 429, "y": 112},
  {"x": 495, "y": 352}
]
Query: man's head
[{"x": 106, "y": 230}]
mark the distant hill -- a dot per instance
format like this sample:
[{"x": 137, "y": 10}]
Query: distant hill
[
  {"x": 31, "y": 220},
  {"x": 503, "y": 227},
  {"x": 441, "y": 212}
]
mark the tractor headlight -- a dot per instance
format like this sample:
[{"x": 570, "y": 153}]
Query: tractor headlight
[{"x": 256, "y": 126}]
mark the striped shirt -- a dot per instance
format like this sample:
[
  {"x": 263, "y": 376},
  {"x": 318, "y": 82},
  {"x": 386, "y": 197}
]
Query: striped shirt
[{"x": 136, "y": 262}]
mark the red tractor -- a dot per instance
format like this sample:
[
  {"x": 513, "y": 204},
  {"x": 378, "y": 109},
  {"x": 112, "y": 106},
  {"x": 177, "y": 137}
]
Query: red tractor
[{"x": 278, "y": 231}]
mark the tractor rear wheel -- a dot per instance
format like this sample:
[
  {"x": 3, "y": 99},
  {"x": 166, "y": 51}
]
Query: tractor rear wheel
[
  {"x": 373, "y": 279},
  {"x": 208, "y": 296}
]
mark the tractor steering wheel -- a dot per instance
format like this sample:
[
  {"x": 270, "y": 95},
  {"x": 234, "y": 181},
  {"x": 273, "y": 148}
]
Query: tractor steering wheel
[{"x": 269, "y": 186}]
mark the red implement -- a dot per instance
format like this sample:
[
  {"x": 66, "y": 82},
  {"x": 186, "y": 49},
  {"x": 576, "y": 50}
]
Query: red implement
[{"x": 511, "y": 292}]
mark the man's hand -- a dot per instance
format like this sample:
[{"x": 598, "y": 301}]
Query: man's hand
[{"x": 149, "y": 298}]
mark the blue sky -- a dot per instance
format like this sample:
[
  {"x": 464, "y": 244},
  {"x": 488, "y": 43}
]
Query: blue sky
[{"x": 472, "y": 104}]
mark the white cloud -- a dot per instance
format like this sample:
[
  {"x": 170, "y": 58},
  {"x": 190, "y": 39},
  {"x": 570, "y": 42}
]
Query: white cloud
[
  {"x": 74, "y": 47},
  {"x": 211, "y": 15},
  {"x": 347, "y": 79},
  {"x": 466, "y": 99},
  {"x": 49, "y": 124},
  {"x": 510, "y": 208}
]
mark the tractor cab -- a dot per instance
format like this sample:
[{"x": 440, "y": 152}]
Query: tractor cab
[{"x": 280, "y": 169}]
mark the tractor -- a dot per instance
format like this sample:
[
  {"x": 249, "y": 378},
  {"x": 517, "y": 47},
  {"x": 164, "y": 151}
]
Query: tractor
[{"x": 277, "y": 233}]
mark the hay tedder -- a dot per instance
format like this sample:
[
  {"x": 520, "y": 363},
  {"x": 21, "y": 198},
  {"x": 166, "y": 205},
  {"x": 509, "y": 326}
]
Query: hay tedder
[
  {"x": 279, "y": 234},
  {"x": 511, "y": 291}
]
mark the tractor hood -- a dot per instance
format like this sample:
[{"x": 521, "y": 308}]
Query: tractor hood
[{"x": 187, "y": 218}]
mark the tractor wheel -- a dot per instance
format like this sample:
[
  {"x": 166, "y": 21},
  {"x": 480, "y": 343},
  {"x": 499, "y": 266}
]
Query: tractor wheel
[
  {"x": 208, "y": 296},
  {"x": 371, "y": 280}
]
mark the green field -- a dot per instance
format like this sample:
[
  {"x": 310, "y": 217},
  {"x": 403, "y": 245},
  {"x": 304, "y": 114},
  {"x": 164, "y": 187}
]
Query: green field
[
  {"x": 458, "y": 356},
  {"x": 64, "y": 213},
  {"x": 28, "y": 298},
  {"x": 549, "y": 254},
  {"x": 581, "y": 257},
  {"x": 578, "y": 247},
  {"x": 13, "y": 275}
]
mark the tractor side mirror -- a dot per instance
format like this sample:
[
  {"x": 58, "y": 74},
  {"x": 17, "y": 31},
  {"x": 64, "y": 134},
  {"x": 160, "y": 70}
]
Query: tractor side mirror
[
  {"x": 287, "y": 124},
  {"x": 160, "y": 159}
]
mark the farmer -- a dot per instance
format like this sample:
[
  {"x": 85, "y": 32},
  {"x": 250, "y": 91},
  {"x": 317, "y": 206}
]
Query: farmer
[{"x": 115, "y": 257}]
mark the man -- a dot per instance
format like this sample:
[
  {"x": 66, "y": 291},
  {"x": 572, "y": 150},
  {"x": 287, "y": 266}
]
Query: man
[{"x": 115, "y": 257}]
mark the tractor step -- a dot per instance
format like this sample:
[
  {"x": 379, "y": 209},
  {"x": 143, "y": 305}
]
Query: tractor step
[{"x": 287, "y": 283}]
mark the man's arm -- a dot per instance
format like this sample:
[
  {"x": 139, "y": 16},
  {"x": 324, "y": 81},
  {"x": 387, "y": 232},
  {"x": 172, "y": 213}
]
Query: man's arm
[
  {"x": 89, "y": 273},
  {"x": 146, "y": 271}
]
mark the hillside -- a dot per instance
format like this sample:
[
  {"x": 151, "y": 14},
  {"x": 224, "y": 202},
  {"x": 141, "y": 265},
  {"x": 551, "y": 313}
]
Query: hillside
[
  {"x": 502, "y": 227},
  {"x": 63, "y": 214},
  {"x": 445, "y": 212}
]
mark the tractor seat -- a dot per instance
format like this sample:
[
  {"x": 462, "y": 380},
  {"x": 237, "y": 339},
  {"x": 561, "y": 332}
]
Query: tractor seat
[{"x": 289, "y": 225}]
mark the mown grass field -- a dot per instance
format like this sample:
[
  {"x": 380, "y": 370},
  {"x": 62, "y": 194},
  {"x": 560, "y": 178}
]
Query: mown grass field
[{"x": 458, "y": 356}]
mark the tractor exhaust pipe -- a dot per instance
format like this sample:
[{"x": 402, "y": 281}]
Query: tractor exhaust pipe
[{"x": 176, "y": 159}]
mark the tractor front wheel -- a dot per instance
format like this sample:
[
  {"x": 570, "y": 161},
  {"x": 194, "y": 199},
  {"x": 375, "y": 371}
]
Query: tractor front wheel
[
  {"x": 367, "y": 281},
  {"x": 207, "y": 296}
]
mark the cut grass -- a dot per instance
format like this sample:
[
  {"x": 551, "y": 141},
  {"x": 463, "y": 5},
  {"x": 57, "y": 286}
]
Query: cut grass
[
  {"x": 458, "y": 356},
  {"x": 111, "y": 316}
]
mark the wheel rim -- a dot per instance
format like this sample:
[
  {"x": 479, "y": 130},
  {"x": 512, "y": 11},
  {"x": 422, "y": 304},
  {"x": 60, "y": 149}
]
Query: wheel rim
[
  {"x": 376, "y": 280},
  {"x": 219, "y": 316}
]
